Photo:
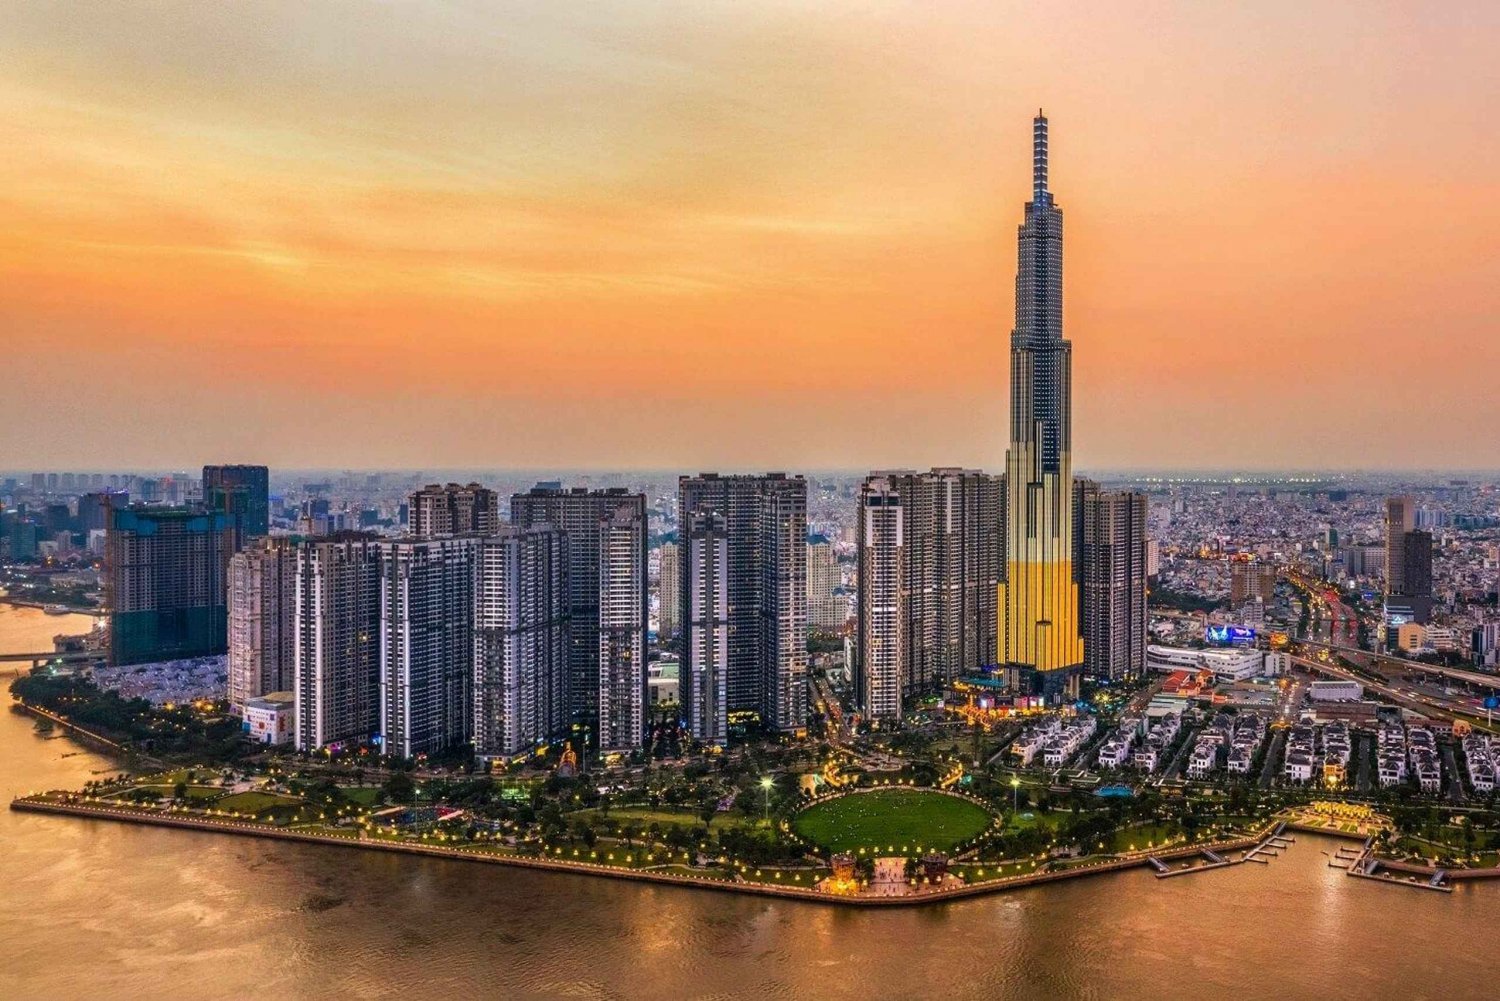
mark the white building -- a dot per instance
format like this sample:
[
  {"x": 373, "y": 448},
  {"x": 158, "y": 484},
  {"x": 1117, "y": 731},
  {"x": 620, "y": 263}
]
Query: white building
[
  {"x": 1226, "y": 665},
  {"x": 269, "y": 719}
]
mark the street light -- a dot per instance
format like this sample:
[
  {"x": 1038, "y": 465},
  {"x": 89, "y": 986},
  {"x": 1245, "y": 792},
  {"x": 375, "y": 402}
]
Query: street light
[
  {"x": 1015, "y": 793},
  {"x": 766, "y": 784}
]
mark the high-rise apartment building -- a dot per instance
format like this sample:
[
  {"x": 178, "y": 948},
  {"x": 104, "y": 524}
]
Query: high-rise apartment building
[
  {"x": 165, "y": 582},
  {"x": 704, "y": 671},
  {"x": 622, "y": 626},
  {"x": 942, "y": 599},
  {"x": 1251, "y": 580},
  {"x": 243, "y": 492},
  {"x": 825, "y": 608},
  {"x": 764, "y": 530},
  {"x": 262, "y": 637},
  {"x": 669, "y": 591},
  {"x": 1039, "y": 642},
  {"x": 1112, "y": 570},
  {"x": 586, "y": 517},
  {"x": 438, "y": 510},
  {"x": 337, "y": 622},
  {"x": 520, "y": 642},
  {"x": 427, "y": 644}
]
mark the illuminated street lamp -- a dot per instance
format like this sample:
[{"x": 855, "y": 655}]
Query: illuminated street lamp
[
  {"x": 766, "y": 784},
  {"x": 1015, "y": 793}
]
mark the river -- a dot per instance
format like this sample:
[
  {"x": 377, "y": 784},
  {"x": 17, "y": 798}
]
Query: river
[{"x": 91, "y": 909}]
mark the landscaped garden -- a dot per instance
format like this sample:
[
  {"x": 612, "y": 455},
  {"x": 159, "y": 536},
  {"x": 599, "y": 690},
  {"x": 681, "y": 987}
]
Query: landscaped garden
[{"x": 892, "y": 819}]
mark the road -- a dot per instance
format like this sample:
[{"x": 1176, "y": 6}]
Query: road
[
  {"x": 1273, "y": 759},
  {"x": 1429, "y": 707}
]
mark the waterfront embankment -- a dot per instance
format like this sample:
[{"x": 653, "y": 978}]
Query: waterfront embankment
[{"x": 919, "y": 896}]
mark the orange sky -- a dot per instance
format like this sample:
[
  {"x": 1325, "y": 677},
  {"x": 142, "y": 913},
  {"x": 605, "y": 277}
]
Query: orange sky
[{"x": 735, "y": 235}]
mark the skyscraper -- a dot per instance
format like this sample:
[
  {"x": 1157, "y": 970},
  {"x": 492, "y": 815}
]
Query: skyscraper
[
  {"x": 165, "y": 582},
  {"x": 520, "y": 642},
  {"x": 583, "y": 515},
  {"x": 337, "y": 690},
  {"x": 1112, "y": 571},
  {"x": 262, "y": 603},
  {"x": 762, "y": 523},
  {"x": 427, "y": 644},
  {"x": 241, "y": 491},
  {"x": 941, "y": 599},
  {"x": 704, "y": 674},
  {"x": 622, "y": 626},
  {"x": 438, "y": 510},
  {"x": 1039, "y": 644},
  {"x": 1400, "y": 518}
]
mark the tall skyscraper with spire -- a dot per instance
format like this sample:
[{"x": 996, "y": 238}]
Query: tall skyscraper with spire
[{"x": 1039, "y": 645}]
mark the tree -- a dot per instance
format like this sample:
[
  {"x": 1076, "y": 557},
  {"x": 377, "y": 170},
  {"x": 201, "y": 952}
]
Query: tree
[{"x": 400, "y": 788}]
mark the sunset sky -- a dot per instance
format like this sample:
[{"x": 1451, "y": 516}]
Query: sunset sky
[{"x": 742, "y": 235}]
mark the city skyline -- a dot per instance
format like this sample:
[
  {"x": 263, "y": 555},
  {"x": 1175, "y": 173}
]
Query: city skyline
[{"x": 795, "y": 221}]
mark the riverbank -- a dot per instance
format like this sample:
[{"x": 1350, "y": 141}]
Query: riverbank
[{"x": 158, "y": 818}]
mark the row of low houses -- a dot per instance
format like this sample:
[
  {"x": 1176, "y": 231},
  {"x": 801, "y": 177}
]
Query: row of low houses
[
  {"x": 1054, "y": 739},
  {"x": 1234, "y": 739},
  {"x": 1318, "y": 752},
  {"x": 1483, "y": 763},
  {"x": 1422, "y": 755}
]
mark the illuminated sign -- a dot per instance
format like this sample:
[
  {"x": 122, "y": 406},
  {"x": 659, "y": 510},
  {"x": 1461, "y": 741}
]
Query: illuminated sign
[{"x": 1230, "y": 635}]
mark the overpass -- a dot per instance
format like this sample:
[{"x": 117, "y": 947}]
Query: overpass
[{"x": 1457, "y": 674}]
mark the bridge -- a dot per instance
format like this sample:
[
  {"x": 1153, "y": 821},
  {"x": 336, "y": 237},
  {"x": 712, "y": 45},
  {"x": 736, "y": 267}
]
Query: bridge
[{"x": 53, "y": 657}]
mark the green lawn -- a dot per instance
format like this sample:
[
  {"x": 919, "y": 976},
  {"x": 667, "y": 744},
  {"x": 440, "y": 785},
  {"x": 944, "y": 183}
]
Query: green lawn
[
  {"x": 643, "y": 816},
  {"x": 891, "y": 819},
  {"x": 363, "y": 795},
  {"x": 254, "y": 802}
]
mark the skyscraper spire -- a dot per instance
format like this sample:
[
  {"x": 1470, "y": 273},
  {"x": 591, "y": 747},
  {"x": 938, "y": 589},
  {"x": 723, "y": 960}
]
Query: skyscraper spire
[{"x": 1039, "y": 157}]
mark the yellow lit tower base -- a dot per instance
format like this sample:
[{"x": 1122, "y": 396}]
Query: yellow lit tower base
[{"x": 1039, "y": 645}]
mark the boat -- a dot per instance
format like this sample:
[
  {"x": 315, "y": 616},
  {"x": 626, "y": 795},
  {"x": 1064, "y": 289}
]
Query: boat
[{"x": 56, "y": 609}]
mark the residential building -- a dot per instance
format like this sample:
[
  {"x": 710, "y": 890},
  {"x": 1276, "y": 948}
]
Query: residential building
[
  {"x": 442, "y": 510},
  {"x": 939, "y": 534},
  {"x": 338, "y": 647},
  {"x": 427, "y": 644},
  {"x": 1110, "y": 536},
  {"x": 596, "y": 524},
  {"x": 520, "y": 642},
  {"x": 262, "y": 634},
  {"x": 763, "y": 521}
]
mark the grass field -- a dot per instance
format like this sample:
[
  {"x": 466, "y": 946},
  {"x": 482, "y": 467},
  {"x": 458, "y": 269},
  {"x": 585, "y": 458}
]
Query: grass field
[
  {"x": 642, "y": 816},
  {"x": 254, "y": 802},
  {"x": 891, "y": 819}
]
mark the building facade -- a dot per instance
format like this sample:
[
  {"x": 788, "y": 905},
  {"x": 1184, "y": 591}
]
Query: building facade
[
  {"x": 763, "y": 520},
  {"x": 520, "y": 642},
  {"x": 243, "y": 492},
  {"x": 668, "y": 590},
  {"x": 703, "y": 673},
  {"x": 427, "y": 644},
  {"x": 825, "y": 606},
  {"x": 262, "y": 634},
  {"x": 337, "y": 658},
  {"x": 165, "y": 576},
  {"x": 623, "y": 614},
  {"x": 438, "y": 510},
  {"x": 1039, "y": 643},
  {"x": 586, "y": 516},
  {"x": 947, "y": 575},
  {"x": 1112, "y": 572}
]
